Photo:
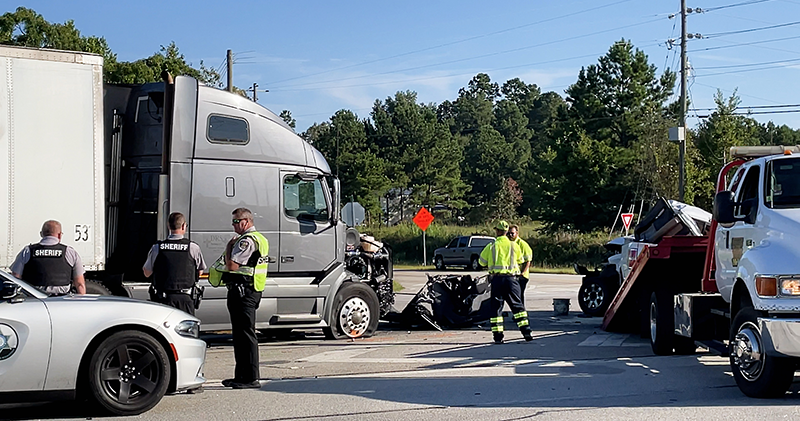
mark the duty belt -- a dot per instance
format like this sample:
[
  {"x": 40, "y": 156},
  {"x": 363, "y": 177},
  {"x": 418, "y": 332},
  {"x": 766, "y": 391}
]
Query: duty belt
[{"x": 179, "y": 291}]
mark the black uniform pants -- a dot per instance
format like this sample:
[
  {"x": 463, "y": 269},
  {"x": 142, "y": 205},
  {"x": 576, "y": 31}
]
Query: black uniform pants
[
  {"x": 523, "y": 283},
  {"x": 242, "y": 304},
  {"x": 179, "y": 300},
  {"x": 506, "y": 289}
]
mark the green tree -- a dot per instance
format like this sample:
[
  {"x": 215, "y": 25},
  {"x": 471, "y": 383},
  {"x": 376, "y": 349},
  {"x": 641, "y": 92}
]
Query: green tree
[
  {"x": 286, "y": 115},
  {"x": 343, "y": 141}
]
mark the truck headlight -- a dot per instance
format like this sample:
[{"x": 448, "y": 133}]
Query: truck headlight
[
  {"x": 188, "y": 328},
  {"x": 790, "y": 287}
]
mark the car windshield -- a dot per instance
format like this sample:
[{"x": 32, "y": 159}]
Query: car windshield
[{"x": 783, "y": 185}]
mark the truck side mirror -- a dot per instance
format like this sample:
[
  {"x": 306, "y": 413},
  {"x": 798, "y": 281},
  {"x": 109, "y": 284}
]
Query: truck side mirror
[
  {"x": 723, "y": 207},
  {"x": 750, "y": 210}
]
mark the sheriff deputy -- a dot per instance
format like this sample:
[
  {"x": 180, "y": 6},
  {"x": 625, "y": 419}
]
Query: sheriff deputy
[
  {"x": 175, "y": 264},
  {"x": 50, "y": 266}
]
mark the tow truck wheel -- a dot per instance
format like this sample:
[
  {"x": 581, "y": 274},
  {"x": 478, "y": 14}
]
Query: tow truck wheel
[
  {"x": 594, "y": 297},
  {"x": 355, "y": 314},
  {"x": 757, "y": 374},
  {"x": 438, "y": 262},
  {"x": 661, "y": 322}
]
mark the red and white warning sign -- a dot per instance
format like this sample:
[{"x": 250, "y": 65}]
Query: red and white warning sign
[{"x": 626, "y": 220}]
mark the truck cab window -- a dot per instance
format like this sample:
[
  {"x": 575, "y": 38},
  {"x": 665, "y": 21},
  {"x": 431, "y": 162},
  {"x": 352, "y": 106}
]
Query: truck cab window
[
  {"x": 453, "y": 244},
  {"x": 480, "y": 242},
  {"x": 304, "y": 199},
  {"x": 463, "y": 241},
  {"x": 783, "y": 184},
  {"x": 223, "y": 129}
]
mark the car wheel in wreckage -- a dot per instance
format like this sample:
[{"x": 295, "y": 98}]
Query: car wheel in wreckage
[{"x": 356, "y": 311}]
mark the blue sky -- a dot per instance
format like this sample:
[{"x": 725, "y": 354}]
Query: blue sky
[{"x": 317, "y": 57}]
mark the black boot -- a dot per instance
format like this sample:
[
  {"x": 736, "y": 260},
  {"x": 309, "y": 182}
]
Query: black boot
[{"x": 498, "y": 338}]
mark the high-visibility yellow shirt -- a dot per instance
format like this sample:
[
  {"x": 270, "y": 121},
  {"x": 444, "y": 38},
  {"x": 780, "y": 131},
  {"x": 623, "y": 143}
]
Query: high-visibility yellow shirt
[
  {"x": 502, "y": 256},
  {"x": 527, "y": 256}
]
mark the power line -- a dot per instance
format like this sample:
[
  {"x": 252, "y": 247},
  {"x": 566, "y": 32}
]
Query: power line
[
  {"x": 742, "y": 71},
  {"x": 476, "y": 57},
  {"x": 746, "y": 3},
  {"x": 749, "y": 44},
  {"x": 738, "y": 93},
  {"x": 743, "y": 31},
  {"x": 753, "y": 107},
  {"x": 447, "y": 44},
  {"x": 747, "y": 65},
  {"x": 757, "y": 113}
]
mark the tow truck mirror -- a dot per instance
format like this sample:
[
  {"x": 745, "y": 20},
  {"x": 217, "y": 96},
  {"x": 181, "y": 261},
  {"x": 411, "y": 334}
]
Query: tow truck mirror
[
  {"x": 9, "y": 290},
  {"x": 723, "y": 207},
  {"x": 750, "y": 210}
]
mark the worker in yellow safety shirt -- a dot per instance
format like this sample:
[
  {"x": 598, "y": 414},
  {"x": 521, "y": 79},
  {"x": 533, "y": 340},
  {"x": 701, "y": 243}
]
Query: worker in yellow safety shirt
[
  {"x": 503, "y": 258},
  {"x": 527, "y": 258}
]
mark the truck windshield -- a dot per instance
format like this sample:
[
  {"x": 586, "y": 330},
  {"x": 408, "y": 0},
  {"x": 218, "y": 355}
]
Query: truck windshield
[{"x": 783, "y": 184}]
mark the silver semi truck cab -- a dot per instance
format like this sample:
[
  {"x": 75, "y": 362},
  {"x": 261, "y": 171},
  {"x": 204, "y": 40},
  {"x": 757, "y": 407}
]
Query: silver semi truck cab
[{"x": 186, "y": 147}]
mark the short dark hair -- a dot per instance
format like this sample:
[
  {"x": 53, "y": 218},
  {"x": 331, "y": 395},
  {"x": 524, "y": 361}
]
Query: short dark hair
[
  {"x": 176, "y": 220},
  {"x": 242, "y": 213}
]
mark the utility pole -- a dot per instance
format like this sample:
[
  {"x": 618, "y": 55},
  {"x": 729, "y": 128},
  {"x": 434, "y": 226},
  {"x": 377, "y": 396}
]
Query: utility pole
[
  {"x": 682, "y": 123},
  {"x": 255, "y": 92},
  {"x": 230, "y": 71}
]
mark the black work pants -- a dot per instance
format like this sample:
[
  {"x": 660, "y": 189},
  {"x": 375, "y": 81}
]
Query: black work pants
[
  {"x": 506, "y": 289},
  {"x": 242, "y": 309},
  {"x": 523, "y": 283},
  {"x": 179, "y": 300}
]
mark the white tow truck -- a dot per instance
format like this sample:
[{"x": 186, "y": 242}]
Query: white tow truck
[{"x": 740, "y": 283}]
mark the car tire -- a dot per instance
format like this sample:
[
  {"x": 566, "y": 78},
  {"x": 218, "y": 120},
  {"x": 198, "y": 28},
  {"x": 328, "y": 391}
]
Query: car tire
[
  {"x": 438, "y": 263},
  {"x": 356, "y": 311},
  {"x": 474, "y": 264},
  {"x": 94, "y": 287},
  {"x": 757, "y": 374},
  {"x": 129, "y": 373},
  {"x": 594, "y": 297},
  {"x": 662, "y": 329}
]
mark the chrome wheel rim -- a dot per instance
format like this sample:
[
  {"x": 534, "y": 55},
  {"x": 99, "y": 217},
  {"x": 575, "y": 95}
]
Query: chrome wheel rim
[
  {"x": 747, "y": 352},
  {"x": 354, "y": 317},
  {"x": 129, "y": 373},
  {"x": 594, "y": 297}
]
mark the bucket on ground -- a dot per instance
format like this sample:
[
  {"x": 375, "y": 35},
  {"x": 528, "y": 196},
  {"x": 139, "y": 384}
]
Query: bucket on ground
[{"x": 561, "y": 306}]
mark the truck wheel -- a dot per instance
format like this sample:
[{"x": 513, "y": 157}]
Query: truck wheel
[
  {"x": 594, "y": 297},
  {"x": 438, "y": 262},
  {"x": 355, "y": 314},
  {"x": 662, "y": 327},
  {"x": 94, "y": 287},
  {"x": 757, "y": 374},
  {"x": 129, "y": 373},
  {"x": 473, "y": 263}
]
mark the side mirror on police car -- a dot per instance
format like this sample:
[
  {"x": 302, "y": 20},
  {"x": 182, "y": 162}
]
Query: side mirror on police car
[
  {"x": 723, "y": 207},
  {"x": 9, "y": 290}
]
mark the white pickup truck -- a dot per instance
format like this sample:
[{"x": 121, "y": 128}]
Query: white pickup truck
[{"x": 739, "y": 284}]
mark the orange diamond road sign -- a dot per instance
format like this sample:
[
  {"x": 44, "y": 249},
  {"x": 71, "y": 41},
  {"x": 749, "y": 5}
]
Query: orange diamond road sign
[
  {"x": 626, "y": 219},
  {"x": 423, "y": 219}
]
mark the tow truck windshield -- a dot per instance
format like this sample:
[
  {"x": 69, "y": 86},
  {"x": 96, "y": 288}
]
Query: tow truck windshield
[{"x": 783, "y": 184}]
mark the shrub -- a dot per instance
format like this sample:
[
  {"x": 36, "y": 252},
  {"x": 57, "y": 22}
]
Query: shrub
[{"x": 560, "y": 249}]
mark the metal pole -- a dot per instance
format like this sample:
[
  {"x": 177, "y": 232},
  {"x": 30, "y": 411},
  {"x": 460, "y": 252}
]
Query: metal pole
[
  {"x": 255, "y": 92},
  {"x": 230, "y": 71},
  {"x": 682, "y": 182},
  {"x": 424, "y": 250}
]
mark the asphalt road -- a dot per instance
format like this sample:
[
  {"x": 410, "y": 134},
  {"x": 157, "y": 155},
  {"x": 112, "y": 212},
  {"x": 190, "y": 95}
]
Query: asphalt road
[{"x": 572, "y": 370}]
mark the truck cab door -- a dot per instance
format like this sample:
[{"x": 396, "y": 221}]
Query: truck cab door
[
  {"x": 307, "y": 236},
  {"x": 462, "y": 254},
  {"x": 734, "y": 239},
  {"x": 25, "y": 337}
]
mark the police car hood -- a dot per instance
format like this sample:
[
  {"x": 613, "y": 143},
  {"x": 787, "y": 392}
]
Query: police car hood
[{"x": 103, "y": 310}]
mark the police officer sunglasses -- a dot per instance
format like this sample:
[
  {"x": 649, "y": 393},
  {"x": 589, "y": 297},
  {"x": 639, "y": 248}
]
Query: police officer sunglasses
[{"x": 236, "y": 221}]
